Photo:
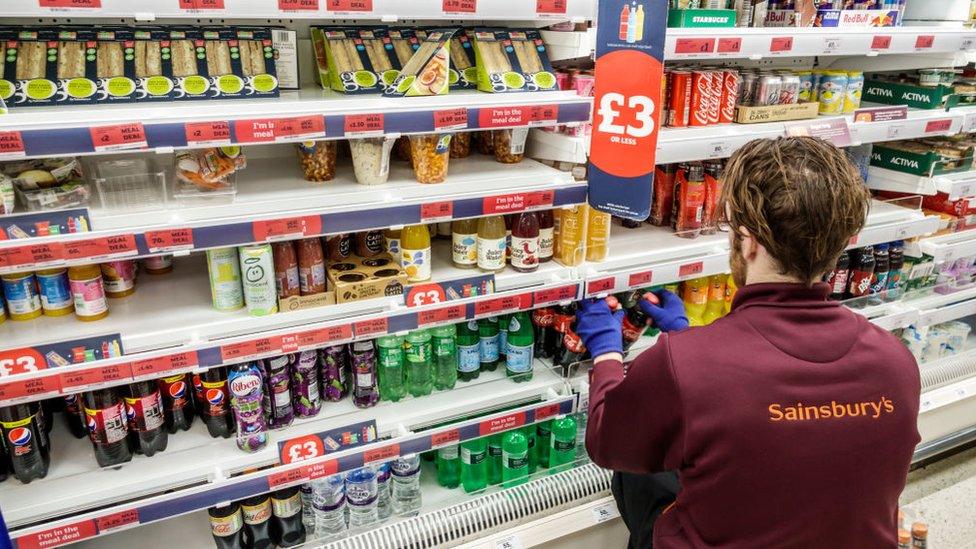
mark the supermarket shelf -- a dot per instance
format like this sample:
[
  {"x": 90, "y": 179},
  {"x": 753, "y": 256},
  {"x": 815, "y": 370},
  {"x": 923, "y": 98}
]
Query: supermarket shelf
[
  {"x": 63, "y": 130},
  {"x": 925, "y": 310},
  {"x": 559, "y": 147},
  {"x": 759, "y": 43},
  {"x": 956, "y": 185},
  {"x": 720, "y": 141},
  {"x": 383, "y": 10},
  {"x": 946, "y": 411},
  {"x": 196, "y": 475},
  {"x": 272, "y": 191},
  {"x": 570, "y": 45},
  {"x": 950, "y": 246}
]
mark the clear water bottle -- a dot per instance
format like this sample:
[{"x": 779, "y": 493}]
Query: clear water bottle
[
  {"x": 384, "y": 506},
  {"x": 329, "y": 506},
  {"x": 406, "y": 485},
  {"x": 361, "y": 495},
  {"x": 308, "y": 513}
]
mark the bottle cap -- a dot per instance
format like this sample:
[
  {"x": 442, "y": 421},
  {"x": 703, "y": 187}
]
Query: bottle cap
[
  {"x": 920, "y": 530},
  {"x": 612, "y": 302},
  {"x": 904, "y": 537}
]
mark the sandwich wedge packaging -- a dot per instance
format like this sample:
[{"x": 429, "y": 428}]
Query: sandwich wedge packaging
[
  {"x": 349, "y": 67},
  {"x": 405, "y": 43},
  {"x": 240, "y": 62},
  {"x": 187, "y": 63},
  {"x": 533, "y": 60},
  {"x": 76, "y": 77},
  {"x": 464, "y": 70},
  {"x": 116, "y": 67},
  {"x": 30, "y": 68},
  {"x": 321, "y": 56},
  {"x": 427, "y": 72},
  {"x": 382, "y": 57},
  {"x": 510, "y": 61}
]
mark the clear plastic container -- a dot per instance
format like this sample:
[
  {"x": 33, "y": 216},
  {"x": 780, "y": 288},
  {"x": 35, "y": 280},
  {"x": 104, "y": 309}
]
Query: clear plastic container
[
  {"x": 371, "y": 159},
  {"x": 188, "y": 194},
  {"x": 318, "y": 160},
  {"x": 430, "y": 153},
  {"x": 132, "y": 184},
  {"x": 461, "y": 145},
  {"x": 510, "y": 145},
  {"x": 485, "y": 143},
  {"x": 67, "y": 195}
]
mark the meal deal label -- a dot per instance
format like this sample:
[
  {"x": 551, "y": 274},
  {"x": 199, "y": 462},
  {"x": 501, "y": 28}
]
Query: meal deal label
[
  {"x": 627, "y": 106},
  {"x": 119, "y": 137},
  {"x": 201, "y": 4},
  {"x": 12, "y": 145},
  {"x": 349, "y": 5},
  {"x": 78, "y": 4},
  {"x": 298, "y": 5},
  {"x": 207, "y": 134}
]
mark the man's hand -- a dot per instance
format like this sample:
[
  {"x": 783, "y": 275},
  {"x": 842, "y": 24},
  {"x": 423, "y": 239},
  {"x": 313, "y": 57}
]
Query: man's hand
[
  {"x": 668, "y": 313},
  {"x": 599, "y": 327}
]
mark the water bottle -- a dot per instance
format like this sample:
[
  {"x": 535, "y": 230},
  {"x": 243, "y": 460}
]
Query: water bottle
[
  {"x": 329, "y": 506},
  {"x": 308, "y": 513},
  {"x": 406, "y": 485},
  {"x": 384, "y": 507},
  {"x": 361, "y": 493}
]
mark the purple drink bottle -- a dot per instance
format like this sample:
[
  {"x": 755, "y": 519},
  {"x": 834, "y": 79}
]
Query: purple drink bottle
[
  {"x": 305, "y": 384},
  {"x": 365, "y": 393},
  {"x": 335, "y": 364},
  {"x": 278, "y": 409},
  {"x": 246, "y": 399}
]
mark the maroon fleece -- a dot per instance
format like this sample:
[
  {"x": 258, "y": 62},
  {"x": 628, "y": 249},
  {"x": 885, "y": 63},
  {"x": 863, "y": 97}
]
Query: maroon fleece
[{"x": 791, "y": 422}]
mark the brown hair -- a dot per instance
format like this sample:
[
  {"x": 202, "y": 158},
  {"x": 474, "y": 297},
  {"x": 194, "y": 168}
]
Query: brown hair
[{"x": 800, "y": 197}]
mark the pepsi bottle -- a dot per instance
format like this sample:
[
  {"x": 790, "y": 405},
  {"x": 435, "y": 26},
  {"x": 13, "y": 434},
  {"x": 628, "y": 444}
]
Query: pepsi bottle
[
  {"x": 74, "y": 416},
  {"x": 144, "y": 412},
  {"x": 25, "y": 441},
  {"x": 107, "y": 426},
  {"x": 214, "y": 402},
  {"x": 177, "y": 403}
]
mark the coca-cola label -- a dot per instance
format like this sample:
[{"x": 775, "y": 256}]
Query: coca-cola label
[
  {"x": 223, "y": 527},
  {"x": 544, "y": 317},
  {"x": 573, "y": 342},
  {"x": 700, "y": 98},
  {"x": 284, "y": 508},
  {"x": 106, "y": 425},
  {"x": 631, "y": 332},
  {"x": 144, "y": 413},
  {"x": 562, "y": 323},
  {"x": 257, "y": 514}
]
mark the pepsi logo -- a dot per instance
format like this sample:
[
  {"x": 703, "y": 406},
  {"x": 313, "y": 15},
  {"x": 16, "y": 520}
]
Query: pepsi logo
[
  {"x": 130, "y": 412},
  {"x": 245, "y": 384},
  {"x": 19, "y": 436},
  {"x": 178, "y": 389},
  {"x": 197, "y": 384},
  {"x": 92, "y": 424},
  {"x": 215, "y": 397}
]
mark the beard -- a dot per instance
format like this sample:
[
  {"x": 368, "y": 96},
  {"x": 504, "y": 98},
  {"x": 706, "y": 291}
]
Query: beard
[{"x": 738, "y": 263}]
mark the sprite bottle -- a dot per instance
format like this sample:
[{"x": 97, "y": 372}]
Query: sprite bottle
[
  {"x": 445, "y": 357},
  {"x": 515, "y": 458},
  {"x": 391, "y": 361},
  {"x": 448, "y": 466},
  {"x": 495, "y": 459},
  {"x": 474, "y": 464},
  {"x": 488, "y": 333},
  {"x": 521, "y": 344},
  {"x": 562, "y": 449},
  {"x": 469, "y": 350},
  {"x": 543, "y": 434},
  {"x": 420, "y": 367},
  {"x": 529, "y": 432}
]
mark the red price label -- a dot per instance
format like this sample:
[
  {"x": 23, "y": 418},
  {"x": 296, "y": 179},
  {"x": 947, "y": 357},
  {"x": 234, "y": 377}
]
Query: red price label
[
  {"x": 503, "y": 423},
  {"x": 259, "y": 131},
  {"x": 729, "y": 45},
  {"x": 303, "y": 127},
  {"x": 302, "y": 449},
  {"x": 694, "y": 45},
  {"x": 349, "y": 5},
  {"x": 298, "y": 5},
  {"x": 517, "y": 202},
  {"x": 169, "y": 240},
  {"x": 502, "y": 117},
  {"x": 601, "y": 285},
  {"x": 21, "y": 361},
  {"x": 881, "y": 42},
  {"x": 30, "y": 387},
  {"x": 102, "y": 248},
  {"x": 287, "y": 478},
  {"x": 201, "y": 134},
  {"x": 550, "y": 7},
  {"x": 938, "y": 126},
  {"x": 363, "y": 124},
  {"x": 640, "y": 279},
  {"x": 289, "y": 343},
  {"x": 780, "y": 44},
  {"x": 248, "y": 349},
  {"x": 117, "y": 521},
  {"x": 385, "y": 453},
  {"x": 543, "y": 115},
  {"x": 325, "y": 336},
  {"x": 436, "y": 211},
  {"x": 445, "y": 438},
  {"x": 11, "y": 145},
  {"x": 443, "y": 314},
  {"x": 924, "y": 41},
  {"x": 451, "y": 119},
  {"x": 32, "y": 255},
  {"x": 323, "y": 469},
  {"x": 201, "y": 4},
  {"x": 59, "y": 535},
  {"x": 370, "y": 327},
  {"x": 283, "y": 229},
  {"x": 459, "y": 6},
  {"x": 691, "y": 269},
  {"x": 81, "y": 4},
  {"x": 95, "y": 376},
  {"x": 118, "y": 137},
  {"x": 546, "y": 412},
  {"x": 555, "y": 295},
  {"x": 169, "y": 363}
]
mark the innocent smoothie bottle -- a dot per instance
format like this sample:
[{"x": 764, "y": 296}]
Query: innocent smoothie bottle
[
  {"x": 88, "y": 292},
  {"x": 415, "y": 252}
]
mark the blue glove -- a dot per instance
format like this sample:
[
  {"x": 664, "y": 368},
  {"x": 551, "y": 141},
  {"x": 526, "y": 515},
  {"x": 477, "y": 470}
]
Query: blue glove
[
  {"x": 600, "y": 328},
  {"x": 669, "y": 314}
]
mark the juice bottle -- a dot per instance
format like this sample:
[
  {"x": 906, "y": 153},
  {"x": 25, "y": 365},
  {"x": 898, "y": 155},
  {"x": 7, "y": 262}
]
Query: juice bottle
[
  {"x": 525, "y": 242},
  {"x": 695, "y": 296},
  {"x": 546, "y": 240},
  {"x": 491, "y": 243},
  {"x": 119, "y": 278},
  {"x": 311, "y": 266},
  {"x": 597, "y": 234},
  {"x": 392, "y": 237},
  {"x": 23, "y": 298},
  {"x": 508, "y": 236},
  {"x": 88, "y": 292},
  {"x": 572, "y": 231},
  {"x": 415, "y": 252},
  {"x": 715, "y": 306},
  {"x": 55, "y": 292},
  {"x": 464, "y": 243}
]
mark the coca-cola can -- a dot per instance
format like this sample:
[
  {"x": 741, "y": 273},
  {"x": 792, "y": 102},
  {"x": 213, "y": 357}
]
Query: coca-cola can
[
  {"x": 701, "y": 97},
  {"x": 747, "y": 88},
  {"x": 789, "y": 92},
  {"x": 768, "y": 88},
  {"x": 715, "y": 97},
  {"x": 679, "y": 99},
  {"x": 730, "y": 94}
]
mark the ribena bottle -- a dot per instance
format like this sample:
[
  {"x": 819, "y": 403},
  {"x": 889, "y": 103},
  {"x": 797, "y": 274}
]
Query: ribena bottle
[{"x": 144, "y": 413}]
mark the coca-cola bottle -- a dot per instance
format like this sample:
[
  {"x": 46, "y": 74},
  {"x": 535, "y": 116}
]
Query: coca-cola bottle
[
  {"x": 227, "y": 526},
  {"x": 837, "y": 279},
  {"x": 177, "y": 402},
  {"x": 144, "y": 414},
  {"x": 635, "y": 319},
  {"x": 571, "y": 349},
  {"x": 256, "y": 512},
  {"x": 861, "y": 272},
  {"x": 107, "y": 428},
  {"x": 214, "y": 404},
  {"x": 546, "y": 338}
]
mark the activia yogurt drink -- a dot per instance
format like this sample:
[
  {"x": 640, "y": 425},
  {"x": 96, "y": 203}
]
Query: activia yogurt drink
[
  {"x": 246, "y": 395},
  {"x": 305, "y": 384}
]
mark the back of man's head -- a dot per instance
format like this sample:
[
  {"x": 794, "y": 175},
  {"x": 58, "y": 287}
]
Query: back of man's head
[{"x": 799, "y": 197}]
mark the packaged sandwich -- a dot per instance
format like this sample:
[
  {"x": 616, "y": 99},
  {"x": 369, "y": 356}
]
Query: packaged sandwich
[
  {"x": 405, "y": 43},
  {"x": 240, "y": 61},
  {"x": 48, "y": 183},
  {"x": 512, "y": 61},
  {"x": 350, "y": 70},
  {"x": 29, "y": 71},
  {"x": 115, "y": 64},
  {"x": 382, "y": 57},
  {"x": 533, "y": 61},
  {"x": 427, "y": 71},
  {"x": 188, "y": 63},
  {"x": 463, "y": 70},
  {"x": 77, "y": 65}
]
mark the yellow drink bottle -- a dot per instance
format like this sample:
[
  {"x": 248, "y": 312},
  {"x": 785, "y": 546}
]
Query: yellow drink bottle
[
  {"x": 695, "y": 296},
  {"x": 597, "y": 234},
  {"x": 729, "y": 293},
  {"x": 715, "y": 306},
  {"x": 415, "y": 252}
]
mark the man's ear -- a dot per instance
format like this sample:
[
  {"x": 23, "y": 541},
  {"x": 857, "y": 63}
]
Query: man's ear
[{"x": 750, "y": 246}]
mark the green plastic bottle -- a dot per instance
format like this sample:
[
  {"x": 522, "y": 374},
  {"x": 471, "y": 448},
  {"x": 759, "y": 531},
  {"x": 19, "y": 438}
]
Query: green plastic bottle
[
  {"x": 445, "y": 357},
  {"x": 515, "y": 458},
  {"x": 448, "y": 467},
  {"x": 521, "y": 344},
  {"x": 391, "y": 360},
  {"x": 469, "y": 350},
  {"x": 474, "y": 464},
  {"x": 543, "y": 434},
  {"x": 488, "y": 332},
  {"x": 502, "y": 336},
  {"x": 495, "y": 459},
  {"x": 420, "y": 366},
  {"x": 562, "y": 450},
  {"x": 529, "y": 432}
]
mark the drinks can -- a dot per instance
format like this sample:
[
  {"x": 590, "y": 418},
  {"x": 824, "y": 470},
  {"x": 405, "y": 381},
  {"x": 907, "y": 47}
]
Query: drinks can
[
  {"x": 715, "y": 97},
  {"x": 815, "y": 84},
  {"x": 743, "y": 12},
  {"x": 747, "y": 88},
  {"x": 225, "y": 279},
  {"x": 806, "y": 86},
  {"x": 852, "y": 94},
  {"x": 729, "y": 95},
  {"x": 832, "y": 89},
  {"x": 257, "y": 274},
  {"x": 679, "y": 103},
  {"x": 701, "y": 97},
  {"x": 789, "y": 93},
  {"x": 768, "y": 89}
]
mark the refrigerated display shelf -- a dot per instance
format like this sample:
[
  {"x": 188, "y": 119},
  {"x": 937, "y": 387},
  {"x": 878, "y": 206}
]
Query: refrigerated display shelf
[
  {"x": 924, "y": 308},
  {"x": 950, "y": 246},
  {"x": 274, "y": 202},
  {"x": 948, "y": 402},
  {"x": 567, "y": 45},
  {"x": 764, "y": 42},
  {"x": 956, "y": 185}
]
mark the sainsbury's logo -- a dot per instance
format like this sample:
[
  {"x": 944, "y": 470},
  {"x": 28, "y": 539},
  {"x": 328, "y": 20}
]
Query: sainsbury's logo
[{"x": 833, "y": 410}]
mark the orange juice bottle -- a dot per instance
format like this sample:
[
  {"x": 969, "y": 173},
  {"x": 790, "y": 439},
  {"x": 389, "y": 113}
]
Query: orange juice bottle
[
  {"x": 88, "y": 292},
  {"x": 695, "y": 296},
  {"x": 415, "y": 252},
  {"x": 572, "y": 231},
  {"x": 715, "y": 306},
  {"x": 597, "y": 234}
]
